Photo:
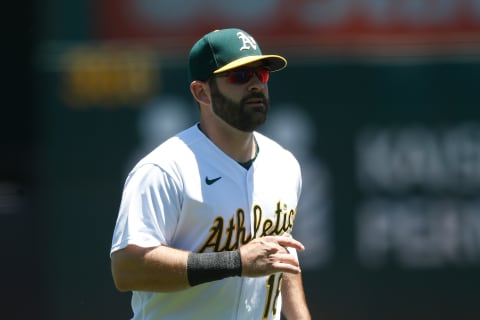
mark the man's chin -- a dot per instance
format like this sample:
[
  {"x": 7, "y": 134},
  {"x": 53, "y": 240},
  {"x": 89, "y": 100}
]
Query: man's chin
[{"x": 255, "y": 124}]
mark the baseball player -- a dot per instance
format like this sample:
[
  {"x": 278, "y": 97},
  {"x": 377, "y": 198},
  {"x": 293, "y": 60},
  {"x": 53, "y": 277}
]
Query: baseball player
[{"x": 204, "y": 222}]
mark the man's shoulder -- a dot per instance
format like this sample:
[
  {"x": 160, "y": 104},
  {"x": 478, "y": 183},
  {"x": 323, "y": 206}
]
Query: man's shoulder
[
  {"x": 172, "y": 149},
  {"x": 178, "y": 143},
  {"x": 270, "y": 145}
]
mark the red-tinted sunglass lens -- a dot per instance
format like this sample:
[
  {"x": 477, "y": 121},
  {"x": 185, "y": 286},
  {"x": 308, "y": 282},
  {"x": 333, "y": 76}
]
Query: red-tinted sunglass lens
[
  {"x": 240, "y": 76},
  {"x": 243, "y": 75},
  {"x": 263, "y": 74}
]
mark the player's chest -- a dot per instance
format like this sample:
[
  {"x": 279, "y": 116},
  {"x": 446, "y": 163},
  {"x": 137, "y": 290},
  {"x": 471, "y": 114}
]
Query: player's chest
[{"x": 260, "y": 202}]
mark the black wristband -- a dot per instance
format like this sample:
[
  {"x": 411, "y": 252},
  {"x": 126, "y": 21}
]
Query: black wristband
[{"x": 206, "y": 267}]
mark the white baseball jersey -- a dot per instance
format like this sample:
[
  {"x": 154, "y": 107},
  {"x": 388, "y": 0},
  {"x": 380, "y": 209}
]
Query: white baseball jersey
[{"x": 188, "y": 194}]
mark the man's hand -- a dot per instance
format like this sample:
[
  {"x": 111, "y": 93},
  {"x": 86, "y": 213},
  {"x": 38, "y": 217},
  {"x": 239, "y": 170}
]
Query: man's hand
[{"x": 267, "y": 255}]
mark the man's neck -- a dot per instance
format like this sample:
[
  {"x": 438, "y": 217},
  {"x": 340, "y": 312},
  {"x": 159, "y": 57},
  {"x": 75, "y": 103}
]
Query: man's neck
[{"x": 238, "y": 145}]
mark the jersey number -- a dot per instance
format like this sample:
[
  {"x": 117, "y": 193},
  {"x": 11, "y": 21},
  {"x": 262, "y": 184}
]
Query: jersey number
[{"x": 274, "y": 285}]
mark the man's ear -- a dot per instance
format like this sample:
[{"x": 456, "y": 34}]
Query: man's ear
[{"x": 200, "y": 92}]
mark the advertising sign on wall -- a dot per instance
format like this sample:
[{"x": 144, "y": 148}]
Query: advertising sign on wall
[{"x": 302, "y": 26}]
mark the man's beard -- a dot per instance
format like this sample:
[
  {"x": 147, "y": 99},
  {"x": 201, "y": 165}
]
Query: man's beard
[{"x": 240, "y": 115}]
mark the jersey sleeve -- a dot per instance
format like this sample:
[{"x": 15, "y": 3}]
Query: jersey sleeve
[{"x": 150, "y": 202}]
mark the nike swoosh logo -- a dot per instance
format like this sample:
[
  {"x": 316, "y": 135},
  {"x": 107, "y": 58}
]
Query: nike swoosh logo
[{"x": 211, "y": 181}]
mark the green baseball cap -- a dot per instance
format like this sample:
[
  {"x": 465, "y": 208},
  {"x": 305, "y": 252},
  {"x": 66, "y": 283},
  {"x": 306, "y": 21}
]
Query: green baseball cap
[{"x": 226, "y": 49}]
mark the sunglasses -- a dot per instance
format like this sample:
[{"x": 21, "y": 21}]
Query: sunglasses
[{"x": 243, "y": 75}]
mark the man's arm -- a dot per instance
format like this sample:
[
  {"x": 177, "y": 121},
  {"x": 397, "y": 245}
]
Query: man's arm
[
  {"x": 294, "y": 304},
  {"x": 164, "y": 269},
  {"x": 150, "y": 269}
]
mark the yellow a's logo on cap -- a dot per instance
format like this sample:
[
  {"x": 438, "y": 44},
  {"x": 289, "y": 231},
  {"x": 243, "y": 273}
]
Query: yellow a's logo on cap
[{"x": 248, "y": 42}]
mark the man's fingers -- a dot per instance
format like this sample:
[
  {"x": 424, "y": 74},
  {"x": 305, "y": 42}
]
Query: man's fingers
[
  {"x": 285, "y": 262},
  {"x": 286, "y": 265},
  {"x": 269, "y": 254},
  {"x": 285, "y": 241},
  {"x": 286, "y": 258}
]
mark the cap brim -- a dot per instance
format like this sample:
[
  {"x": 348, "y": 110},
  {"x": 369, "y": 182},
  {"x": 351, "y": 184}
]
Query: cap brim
[{"x": 274, "y": 62}]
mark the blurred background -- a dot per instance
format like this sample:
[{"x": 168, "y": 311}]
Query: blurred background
[{"x": 380, "y": 103}]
